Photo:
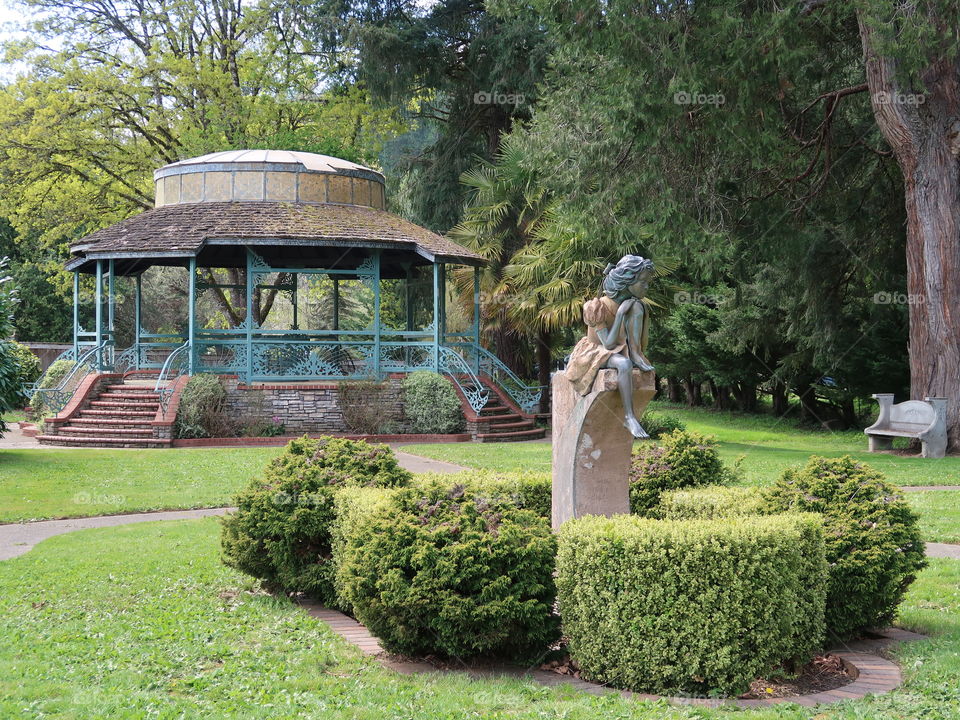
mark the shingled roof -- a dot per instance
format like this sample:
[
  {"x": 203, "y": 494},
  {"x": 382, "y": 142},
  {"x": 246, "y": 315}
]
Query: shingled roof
[{"x": 184, "y": 229}]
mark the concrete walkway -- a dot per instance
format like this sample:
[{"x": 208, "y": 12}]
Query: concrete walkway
[
  {"x": 943, "y": 550},
  {"x": 18, "y": 538}
]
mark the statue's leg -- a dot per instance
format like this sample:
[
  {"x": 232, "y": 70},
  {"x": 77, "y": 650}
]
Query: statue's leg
[{"x": 624, "y": 367}]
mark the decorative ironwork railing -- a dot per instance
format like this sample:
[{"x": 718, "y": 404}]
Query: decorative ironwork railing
[
  {"x": 527, "y": 397},
  {"x": 54, "y": 399},
  {"x": 29, "y": 388},
  {"x": 454, "y": 365},
  {"x": 176, "y": 365},
  {"x": 274, "y": 356}
]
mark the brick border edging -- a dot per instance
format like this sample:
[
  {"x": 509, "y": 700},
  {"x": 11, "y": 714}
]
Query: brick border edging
[
  {"x": 874, "y": 674},
  {"x": 284, "y": 439}
]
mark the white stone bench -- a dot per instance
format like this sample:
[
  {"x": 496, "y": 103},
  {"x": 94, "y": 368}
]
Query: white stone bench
[{"x": 924, "y": 419}]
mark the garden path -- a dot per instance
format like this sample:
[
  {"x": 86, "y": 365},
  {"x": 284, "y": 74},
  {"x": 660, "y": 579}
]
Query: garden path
[{"x": 17, "y": 538}]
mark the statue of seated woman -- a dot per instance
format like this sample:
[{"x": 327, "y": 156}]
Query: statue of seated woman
[{"x": 617, "y": 324}]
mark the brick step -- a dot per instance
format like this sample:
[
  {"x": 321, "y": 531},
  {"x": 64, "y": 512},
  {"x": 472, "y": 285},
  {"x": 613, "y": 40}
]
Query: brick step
[
  {"x": 532, "y": 434},
  {"x": 118, "y": 414},
  {"x": 77, "y": 441},
  {"x": 131, "y": 389},
  {"x": 498, "y": 419},
  {"x": 113, "y": 421},
  {"x": 518, "y": 425},
  {"x": 124, "y": 405},
  {"x": 130, "y": 396},
  {"x": 495, "y": 410},
  {"x": 106, "y": 431}
]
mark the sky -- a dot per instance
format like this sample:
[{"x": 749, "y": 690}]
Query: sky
[{"x": 10, "y": 18}]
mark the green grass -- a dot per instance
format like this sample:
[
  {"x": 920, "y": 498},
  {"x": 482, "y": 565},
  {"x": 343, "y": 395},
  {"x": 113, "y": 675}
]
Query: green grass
[
  {"x": 52, "y": 483},
  {"x": 13, "y": 416},
  {"x": 144, "y": 621},
  {"x": 939, "y": 514},
  {"x": 766, "y": 445}
]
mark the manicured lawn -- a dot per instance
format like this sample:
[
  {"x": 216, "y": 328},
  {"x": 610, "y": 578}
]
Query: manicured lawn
[
  {"x": 939, "y": 514},
  {"x": 765, "y": 444},
  {"x": 144, "y": 621},
  {"x": 53, "y": 483}
]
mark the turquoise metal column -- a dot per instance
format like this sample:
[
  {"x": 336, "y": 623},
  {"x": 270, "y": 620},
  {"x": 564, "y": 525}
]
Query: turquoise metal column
[
  {"x": 192, "y": 317},
  {"x": 436, "y": 317},
  {"x": 99, "y": 315},
  {"x": 476, "y": 320},
  {"x": 443, "y": 303},
  {"x": 376, "y": 314},
  {"x": 76, "y": 315},
  {"x": 296, "y": 320},
  {"x": 111, "y": 301},
  {"x": 137, "y": 318},
  {"x": 249, "y": 321}
]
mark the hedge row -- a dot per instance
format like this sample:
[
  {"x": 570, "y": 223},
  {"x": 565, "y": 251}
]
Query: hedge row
[
  {"x": 873, "y": 543},
  {"x": 718, "y": 586},
  {"x": 690, "y": 606},
  {"x": 457, "y": 565}
]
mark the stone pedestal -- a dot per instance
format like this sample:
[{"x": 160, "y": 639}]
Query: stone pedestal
[{"x": 591, "y": 446}]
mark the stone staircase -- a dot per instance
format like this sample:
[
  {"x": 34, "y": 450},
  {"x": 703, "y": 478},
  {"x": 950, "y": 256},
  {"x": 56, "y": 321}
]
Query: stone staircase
[
  {"x": 500, "y": 421},
  {"x": 119, "y": 413}
]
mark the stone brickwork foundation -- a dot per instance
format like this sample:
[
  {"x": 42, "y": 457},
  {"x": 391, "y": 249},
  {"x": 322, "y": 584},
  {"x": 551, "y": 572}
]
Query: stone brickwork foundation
[{"x": 305, "y": 407}]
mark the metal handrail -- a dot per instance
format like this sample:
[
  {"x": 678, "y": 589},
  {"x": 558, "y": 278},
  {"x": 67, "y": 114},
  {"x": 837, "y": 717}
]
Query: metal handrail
[
  {"x": 56, "y": 398},
  {"x": 455, "y": 366},
  {"x": 171, "y": 370},
  {"x": 525, "y": 396},
  {"x": 29, "y": 388}
]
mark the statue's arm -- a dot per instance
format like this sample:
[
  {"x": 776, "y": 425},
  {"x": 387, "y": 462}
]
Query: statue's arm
[{"x": 608, "y": 336}]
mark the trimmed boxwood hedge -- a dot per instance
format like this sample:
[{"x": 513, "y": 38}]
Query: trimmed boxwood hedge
[
  {"x": 711, "y": 502},
  {"x": 281, "y": 530},
  {"x": 690, "y": 606},
  {"x": 352, "y": 507},
  {"x": 451, "y": 571}
]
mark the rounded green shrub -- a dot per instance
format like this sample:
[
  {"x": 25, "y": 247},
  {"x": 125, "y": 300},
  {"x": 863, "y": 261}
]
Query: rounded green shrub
[
  {"x": 690, "y": 606},
  {"x": 203, "y": 409},
  {"x": 281, "y": 530},
  {"x": 873, "y": 540},
  {"x": 27, "y": 362},
  {"x": 658, "y": 424},
  {"x": 679, "y": 459},
  {"x": 443, "y": 570},
  {"x": 710, "y": 502},
  {"x": 431, "y": 403}
]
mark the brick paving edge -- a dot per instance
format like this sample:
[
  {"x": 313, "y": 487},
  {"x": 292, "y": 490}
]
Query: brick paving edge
[{"x": 874, "y": 675}]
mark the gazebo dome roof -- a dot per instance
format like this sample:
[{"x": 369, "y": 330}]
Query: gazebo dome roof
[
  {"x": 301, "y": 209},
  {"x": 308, "y": 161}
]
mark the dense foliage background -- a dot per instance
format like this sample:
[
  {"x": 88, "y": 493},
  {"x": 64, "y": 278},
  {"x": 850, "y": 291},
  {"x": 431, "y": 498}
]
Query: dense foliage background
[{"x": 735, "y": 143}]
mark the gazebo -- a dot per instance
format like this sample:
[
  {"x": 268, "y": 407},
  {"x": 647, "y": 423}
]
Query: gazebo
[{"x": 261, "y": 234}]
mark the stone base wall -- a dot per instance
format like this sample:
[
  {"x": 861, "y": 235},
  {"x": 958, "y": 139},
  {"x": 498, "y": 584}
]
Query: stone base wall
[{"x": 305, "y": 408}]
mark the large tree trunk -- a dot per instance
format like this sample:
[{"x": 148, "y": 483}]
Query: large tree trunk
[
  {"x": 674, "y": 390},
  {"x": 781, "y": 401},
  {"x": 925, "y": 138}
]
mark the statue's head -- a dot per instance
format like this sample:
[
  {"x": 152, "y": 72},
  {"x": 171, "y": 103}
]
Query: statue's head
[{"x": 631, "y": 269}]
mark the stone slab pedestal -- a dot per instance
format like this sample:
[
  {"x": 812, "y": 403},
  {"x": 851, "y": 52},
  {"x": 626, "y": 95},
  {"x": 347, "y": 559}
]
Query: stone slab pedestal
[{"x": 591, "y": 445}]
